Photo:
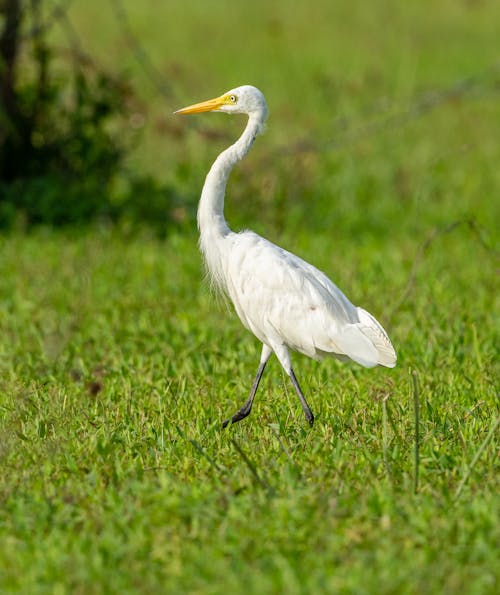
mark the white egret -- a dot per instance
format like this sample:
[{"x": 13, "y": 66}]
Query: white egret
[{"x": 286, "y": 302}]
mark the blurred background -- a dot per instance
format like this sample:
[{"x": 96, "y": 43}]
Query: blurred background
[{"x": 387, "y": 106}]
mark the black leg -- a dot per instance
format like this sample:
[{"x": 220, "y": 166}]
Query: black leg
[
  {"x": 247, "y": 407},
  {"x": 307, "y": 410}
]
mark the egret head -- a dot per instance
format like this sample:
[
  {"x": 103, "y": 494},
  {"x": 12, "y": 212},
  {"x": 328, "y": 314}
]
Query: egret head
[{"x": 241, "y": 100}]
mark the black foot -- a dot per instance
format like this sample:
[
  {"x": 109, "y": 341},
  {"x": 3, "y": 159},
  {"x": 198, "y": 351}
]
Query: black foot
[
  {"x": 238, "y": 416},
  {"x": 310, "y": 417}
]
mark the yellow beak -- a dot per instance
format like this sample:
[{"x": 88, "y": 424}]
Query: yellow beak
[{"x": 204, "y": 106}]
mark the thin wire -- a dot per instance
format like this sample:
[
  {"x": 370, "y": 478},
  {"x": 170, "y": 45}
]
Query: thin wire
[
  {"x": 142, "y": 57},
  {"x": 59, "y": 11},
  {"x": 351, "y": 130}
]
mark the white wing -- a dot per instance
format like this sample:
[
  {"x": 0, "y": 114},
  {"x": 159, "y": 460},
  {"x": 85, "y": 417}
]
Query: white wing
[{"x": 283, "y": 299}]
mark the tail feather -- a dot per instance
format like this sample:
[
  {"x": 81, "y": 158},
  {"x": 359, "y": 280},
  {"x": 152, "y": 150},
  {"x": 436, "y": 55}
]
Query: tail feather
[{"x": 374, "y": 331}]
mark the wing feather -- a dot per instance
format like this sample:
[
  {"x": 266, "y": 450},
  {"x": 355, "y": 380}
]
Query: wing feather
[{"x": 283, "y": 299}]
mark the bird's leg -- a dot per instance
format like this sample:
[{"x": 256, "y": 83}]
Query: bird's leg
[
  {"x": 247, "y": 406},
  {"x": 283, "y": 355},
  {"x": 307, "y": 410}
]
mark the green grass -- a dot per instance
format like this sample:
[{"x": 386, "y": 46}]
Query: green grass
[{"x": 117, "y": 365}]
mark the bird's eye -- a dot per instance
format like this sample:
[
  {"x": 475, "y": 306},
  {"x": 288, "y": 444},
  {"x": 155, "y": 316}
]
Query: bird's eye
[{"x": 232, "y": 98}]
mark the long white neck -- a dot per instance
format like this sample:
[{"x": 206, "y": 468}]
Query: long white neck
[{"x": 211, "y": 223}]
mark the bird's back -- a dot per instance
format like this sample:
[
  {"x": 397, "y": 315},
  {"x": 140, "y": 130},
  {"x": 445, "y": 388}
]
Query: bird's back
[{"x": 283, "y": 299}]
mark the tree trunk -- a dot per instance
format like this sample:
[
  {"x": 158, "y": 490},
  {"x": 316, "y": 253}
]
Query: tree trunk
[{"x": 10, "y": 118}]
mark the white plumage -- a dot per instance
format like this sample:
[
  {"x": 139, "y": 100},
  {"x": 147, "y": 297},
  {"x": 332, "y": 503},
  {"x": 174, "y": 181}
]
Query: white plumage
[{"x": 286, "y": 302}]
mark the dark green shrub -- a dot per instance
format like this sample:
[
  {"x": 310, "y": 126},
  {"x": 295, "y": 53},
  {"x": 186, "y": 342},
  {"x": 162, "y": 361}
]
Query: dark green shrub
[{"x": 63, "y": 136}]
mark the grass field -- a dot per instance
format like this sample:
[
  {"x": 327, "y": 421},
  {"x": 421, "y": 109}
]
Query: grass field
[{"x": 117, "y": 365}]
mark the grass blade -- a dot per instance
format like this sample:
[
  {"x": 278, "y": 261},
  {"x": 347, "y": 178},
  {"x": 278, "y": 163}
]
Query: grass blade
[
  {"x": 199, "y": 448},
  {"x": 476, "y": 458},
  {"x": 416, "y": 409},
  {"x": 385, "y": 439},
  {"x": 252, "y": 467}
]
